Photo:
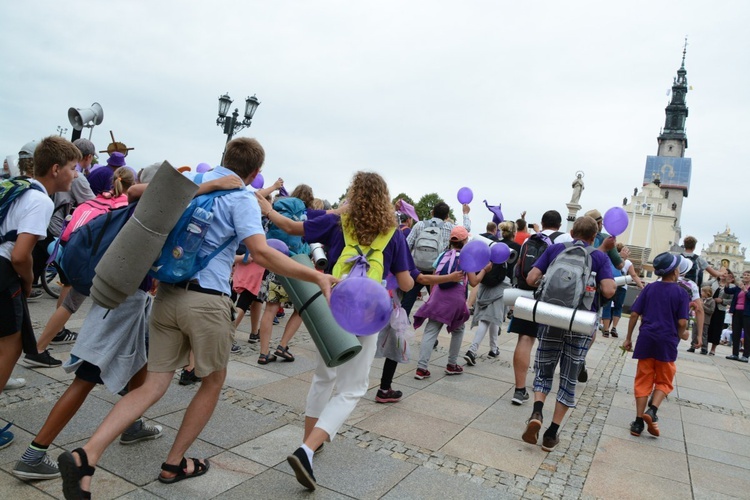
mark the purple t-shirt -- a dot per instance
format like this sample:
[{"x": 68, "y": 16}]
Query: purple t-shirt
[
  {"x": 326, "y": 229},
  {"x": 661, "y": 305},
  {"x": 599, "y": 264},
  {"x": 314, "y": 214}
]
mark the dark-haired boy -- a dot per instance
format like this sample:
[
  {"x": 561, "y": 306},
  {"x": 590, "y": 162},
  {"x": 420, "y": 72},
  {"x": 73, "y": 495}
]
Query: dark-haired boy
[{"x": 29, "y": 215}]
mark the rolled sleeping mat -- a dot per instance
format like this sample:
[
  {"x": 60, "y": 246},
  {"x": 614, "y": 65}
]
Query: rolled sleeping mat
[
  {"x": 336, "y": 345},
  {"x": 510, "y": 295},
  {"x": 555, "y": 316},
  {"x": 624, "y": 280},
  {"x": 128, "y": 259}
]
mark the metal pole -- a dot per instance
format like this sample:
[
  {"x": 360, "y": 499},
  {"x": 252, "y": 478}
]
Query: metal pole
[{"x": 229, "y": 130}]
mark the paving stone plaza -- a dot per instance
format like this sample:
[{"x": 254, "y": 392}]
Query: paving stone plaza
[{"x": 449, "y": 437}]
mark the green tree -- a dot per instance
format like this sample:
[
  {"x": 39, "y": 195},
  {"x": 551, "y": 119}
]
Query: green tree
[
  {"x": 341, "y": 198},
  {"x": 403, "y": 196},
  {"x": 425, "y": 204}
]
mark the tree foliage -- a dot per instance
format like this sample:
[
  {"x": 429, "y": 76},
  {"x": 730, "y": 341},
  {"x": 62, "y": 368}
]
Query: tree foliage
[
  {"x": 425, "y": 204},
  {"x": 403, "y": 196}
]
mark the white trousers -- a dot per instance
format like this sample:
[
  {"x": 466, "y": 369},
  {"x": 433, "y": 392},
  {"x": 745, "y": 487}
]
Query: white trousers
[{"x": 350, "y": 381}]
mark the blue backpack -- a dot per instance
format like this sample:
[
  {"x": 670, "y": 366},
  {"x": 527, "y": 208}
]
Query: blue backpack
[
  {"x": 10, "y": 190},
  {"x": 295, "y": 209},
  {"x": 175, "y": 266},
  {"x": 87, "y": 245}
]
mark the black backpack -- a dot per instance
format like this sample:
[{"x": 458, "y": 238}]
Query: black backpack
[
  {"x": 694, "y": 275},
  {"x": 531, "y": 250}
]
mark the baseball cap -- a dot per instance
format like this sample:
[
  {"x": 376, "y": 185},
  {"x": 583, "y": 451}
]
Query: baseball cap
[
  {"x": 27, "y": 150},
  {"x": 459, "y": 233}
]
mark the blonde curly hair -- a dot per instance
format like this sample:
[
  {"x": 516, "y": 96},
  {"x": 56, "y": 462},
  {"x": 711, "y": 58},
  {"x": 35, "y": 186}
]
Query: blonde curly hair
[{"x": 370, "y": 210}]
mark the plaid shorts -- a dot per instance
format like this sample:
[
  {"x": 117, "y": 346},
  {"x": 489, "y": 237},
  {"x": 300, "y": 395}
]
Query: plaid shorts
[{"x": 567, "y": 348}]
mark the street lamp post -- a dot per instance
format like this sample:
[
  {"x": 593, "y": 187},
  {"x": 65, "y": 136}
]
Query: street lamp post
[
  {"x": 231, "y": 123},
  {"x": 61, "y": 131}
]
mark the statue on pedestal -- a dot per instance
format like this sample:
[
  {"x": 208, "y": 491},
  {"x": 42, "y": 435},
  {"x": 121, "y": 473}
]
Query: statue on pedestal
[{"x": 577, "y": 188}]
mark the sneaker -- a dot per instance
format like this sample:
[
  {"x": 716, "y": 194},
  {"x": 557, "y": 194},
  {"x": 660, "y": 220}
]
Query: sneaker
[
  {"x": 471, "y": 358},
  {"x": 388, "y": 396},
  {"x": 280, "y": 313},
  {"x": 276, "y": 320},
  {"x": 494, "y": 354},
  {"x": 704, "y": 351},
  {"x": 613, "y": 332},
  {"x": 65, "y": 337},
  {"x": 236, "y": 349},
  {"x": 531, "y": 434},
  {"x": 691, "y": 349},
  {"x": 6, "y": 437},
  {"x": 733, "y": 357},
  {"x": 422, "y": 374},
  {"x": 188, "y": 377},
  {"x": 45, "y": 469},
  {"x": 520, "y": 397},
  {"x": 453, "y": 370},
  {"x": 302, "y": 468},
  {"x": 583, "y": 375},
  {"x": 15, "y": 383},
  {"x": 42, "y": 360},
  {"x": 636, "y": 428},
  {"x": 35, "y": 293},
  {"x": 652, "y": 421},
  {"x": 140, "y": 431},
  {"x": 254, "y": 338},
  {"x": 550, "y": 443},
  {"x": 743, "y": 359}
]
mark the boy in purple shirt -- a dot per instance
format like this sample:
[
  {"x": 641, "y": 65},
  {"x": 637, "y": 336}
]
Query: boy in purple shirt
[
  {"x": 556, "y": 345},
  {"x": 663, "y": 308}
]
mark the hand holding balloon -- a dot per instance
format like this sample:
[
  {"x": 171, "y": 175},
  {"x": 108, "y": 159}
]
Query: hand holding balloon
[{"x": 465, "y": 195}]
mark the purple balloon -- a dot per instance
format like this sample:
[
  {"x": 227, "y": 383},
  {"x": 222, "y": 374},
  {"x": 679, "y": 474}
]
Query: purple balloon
[
  {"x": 203, "y": 168},
  {"x": 465, "y": 195},
  {"x": 615, "y": 221},
  {"x": 257, "y": 182},
  {"x": 278, "y": 245},
  {"x": 474, "y": 256},
  {"x": 499, "y": 253},
  {"x": 360, "y": 305}
]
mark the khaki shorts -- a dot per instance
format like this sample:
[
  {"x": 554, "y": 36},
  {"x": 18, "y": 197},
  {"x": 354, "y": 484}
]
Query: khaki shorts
[{"x": 182, "y": 320}]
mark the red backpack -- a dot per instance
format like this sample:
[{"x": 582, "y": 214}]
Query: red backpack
[{"x": 88, "y": 210}]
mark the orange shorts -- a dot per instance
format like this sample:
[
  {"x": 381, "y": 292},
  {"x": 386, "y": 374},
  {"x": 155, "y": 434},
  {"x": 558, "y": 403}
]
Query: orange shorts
[{"x": 651, "y": 375}]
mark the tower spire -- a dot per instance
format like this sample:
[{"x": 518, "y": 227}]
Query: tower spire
[{"x": 677, "y": 110}]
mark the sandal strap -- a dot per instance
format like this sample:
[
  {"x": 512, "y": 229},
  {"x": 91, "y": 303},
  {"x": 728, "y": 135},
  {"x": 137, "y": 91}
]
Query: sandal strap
[
  {"x": 198, "y": 466},
  {"x": 175, "y": 469},
  {"x": 85, "y": 468}
]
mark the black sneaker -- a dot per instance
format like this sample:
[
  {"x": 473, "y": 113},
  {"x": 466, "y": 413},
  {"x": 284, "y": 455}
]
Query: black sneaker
[
  {"x": 636, "y": 428},
  {"x": 691, "y": 349},
  {"x": 235, "y": 349},
  {"x": 519, "y": 397},
  {"x": 387, "y": 396},
  {"x": 35, "y": 293},
  {"x": 254, "y": 338},
  {"x": 704, "y": 351},
  {"x": 302, "y": 468},
  {"x": 494, "y": 354},
  {"x": 733, "y": 357},
  {"x": 549, "y": 443},
  {"x": 471, "y": 358},
  {"x": 65, "y": 337},
  {"x": 652, "y": 421},
  {"x": 531, "y": 434},
  {"x": 583, "y": 375},
  {"x": 42, "y": 360},
  {"x": 188, "y": 377}
]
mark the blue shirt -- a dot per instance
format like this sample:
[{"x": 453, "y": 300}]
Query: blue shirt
[{"x": 236, "y": 216}]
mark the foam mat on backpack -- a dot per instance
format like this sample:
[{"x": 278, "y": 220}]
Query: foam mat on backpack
[
  {"x": 137, "y": 245},
  {"x": 556, "y": 316},
  {"x": 336, "y": 346}
]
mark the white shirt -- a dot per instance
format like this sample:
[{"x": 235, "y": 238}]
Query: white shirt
[
  {"x": 30, "y": 213},
  {"x": 560, "y": 238},
  {"x": 695, "y": 294}
]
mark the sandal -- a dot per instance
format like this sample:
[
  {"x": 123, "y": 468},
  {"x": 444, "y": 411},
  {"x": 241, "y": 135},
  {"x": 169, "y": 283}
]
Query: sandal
[
  {"x": 283, "y": 352},
  {"x": 264, "y": 359},
  {"x": 199, "y": 468},
  {"x": 72, "y": 474}
]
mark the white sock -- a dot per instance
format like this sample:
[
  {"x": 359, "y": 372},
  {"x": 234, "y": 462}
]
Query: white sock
[{"x": 308, "y": 451}]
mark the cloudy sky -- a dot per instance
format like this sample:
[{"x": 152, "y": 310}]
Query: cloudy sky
[{"x": 507, "y": 98}]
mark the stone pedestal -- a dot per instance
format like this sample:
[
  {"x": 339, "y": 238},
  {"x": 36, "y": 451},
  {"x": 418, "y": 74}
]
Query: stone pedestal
[{"x": 573, "y": 209}]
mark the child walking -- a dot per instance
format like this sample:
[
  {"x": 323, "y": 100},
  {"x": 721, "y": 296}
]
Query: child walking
[
  {"x": 663, "y": 309},
  {"x": 446, "y": 307}
]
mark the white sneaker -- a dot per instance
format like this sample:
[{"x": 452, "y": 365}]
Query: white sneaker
[{"x": 15, "y": 383}]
